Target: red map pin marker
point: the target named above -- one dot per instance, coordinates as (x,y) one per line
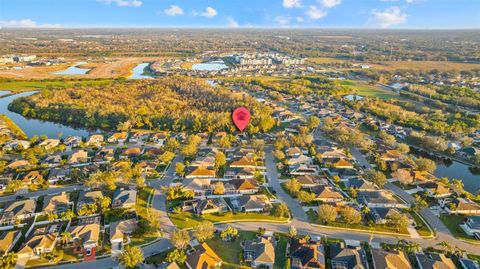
(241,117)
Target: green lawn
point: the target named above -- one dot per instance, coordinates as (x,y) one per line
(423,231)
(363,89)
(230,252)
(188,219)
(452,222)
(312,216)
(280,252)
(20,85)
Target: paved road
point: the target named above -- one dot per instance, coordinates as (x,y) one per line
(273,181)
(49,191)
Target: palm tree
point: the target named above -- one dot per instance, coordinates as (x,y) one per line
(446,247)
(8,260)
(66,237)
(68,215)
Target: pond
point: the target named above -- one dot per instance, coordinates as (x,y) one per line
(140,72)
(454,170)
(33,127)
(210,66)
(74,70)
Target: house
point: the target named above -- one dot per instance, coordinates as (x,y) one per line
(468,264)
(347,257)
(342,164)
(148,167)
(206,206)
(201,172)
(461,206)
(302,159)
(159,138)
(359,184)
(244,186)
(58,174)
(88,198)
(17,210)
(472,226)
(327,194)
(95,140)
(139,136)
(119,231)
(377,198)
(118,137)
(394,259)
(253,203)
(244,173)
(52,160)
(56,204)
(434,261)
(78,157)
(125,199)
(380,215)
(390,156)
(309,181)
(259,252)
(16,144)
(18,164)
(244,162)
(303,169)
(435,189)
(294,152)
(41,240)
(85,236)
(199,186)
(131,153)
(104,155)
(49,143)
(73,141)
(8,239)
(32,177)
(166,265)
(204,161)
(306,254)
(203,258)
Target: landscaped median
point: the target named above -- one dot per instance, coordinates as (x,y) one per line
(185,220)
(360,227)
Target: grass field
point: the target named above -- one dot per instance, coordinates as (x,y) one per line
(230,252)
(425,66)
(424,231)
(22,85)
(324,60)
(363,89)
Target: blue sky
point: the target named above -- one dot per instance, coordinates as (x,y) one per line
(423,14)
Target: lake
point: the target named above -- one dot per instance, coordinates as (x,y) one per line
(74,70)
(453,170)
(33,127)
(210,66)
(139,72)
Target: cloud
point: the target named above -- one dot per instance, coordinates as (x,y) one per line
(26,23)
(282,20)
(210,12)
(315,13)
(292,3)
(388,17)
(300,19)
(123,3)
(173,10)
(232,22)
(331,3)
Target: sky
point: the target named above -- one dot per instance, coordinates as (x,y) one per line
(394,14)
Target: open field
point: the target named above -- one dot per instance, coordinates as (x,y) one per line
(19,85)
(324,60)
(111,68)
(425,66)
(364,89)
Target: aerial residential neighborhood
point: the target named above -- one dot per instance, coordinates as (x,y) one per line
(280,134)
